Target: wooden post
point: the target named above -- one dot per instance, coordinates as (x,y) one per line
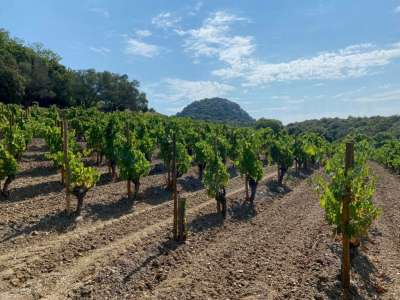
(182,220)
(128,141)
(61,124)
(349,162)
(66,164)
(174,191)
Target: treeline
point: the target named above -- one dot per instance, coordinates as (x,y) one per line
(30,74)
(379,128)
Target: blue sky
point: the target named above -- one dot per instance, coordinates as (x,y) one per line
(290,60)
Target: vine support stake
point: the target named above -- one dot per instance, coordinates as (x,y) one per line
(174,191)
(349,163)
(66,164)
(182,232)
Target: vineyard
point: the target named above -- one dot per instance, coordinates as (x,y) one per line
(124,205)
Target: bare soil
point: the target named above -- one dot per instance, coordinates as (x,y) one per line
(280,248)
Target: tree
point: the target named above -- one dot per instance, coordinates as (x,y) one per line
(32,73)
(275,125)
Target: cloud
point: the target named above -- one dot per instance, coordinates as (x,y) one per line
(143,33)
(165,20)
(100,50)
(353,61)
(176,92)
(100,11)
(393,95)
(214,39)
(139,48)
(397,10)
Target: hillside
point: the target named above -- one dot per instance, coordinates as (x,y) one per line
(217,110)
(335,128)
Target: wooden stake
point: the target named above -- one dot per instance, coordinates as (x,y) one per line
(182,220)
(128,140)
(66,164)
(174,191)
(349,163)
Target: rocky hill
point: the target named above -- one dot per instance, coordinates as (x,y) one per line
(216,110)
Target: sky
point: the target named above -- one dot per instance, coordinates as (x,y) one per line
(283,59)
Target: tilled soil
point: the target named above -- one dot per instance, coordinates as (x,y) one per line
(280,248)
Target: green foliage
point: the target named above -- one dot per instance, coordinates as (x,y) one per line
(308,147)
(8,164)
(15,141)
(388,155)
(358,182)
(82,178)
(282,151)
(202,151)
(183,159)
(215,176)
(275,125)
(95,135)
(216,110)
(113,139)
(132,163)
(249,163)
(34,74)
(333,129)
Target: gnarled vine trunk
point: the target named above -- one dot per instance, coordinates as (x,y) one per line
(137,186)
(113,167)
(80,194)
(201,170)
(8,181)
(221,202)
(253,189)
(129,189)
(281,173)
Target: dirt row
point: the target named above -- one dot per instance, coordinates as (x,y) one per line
(281,249)
(35,258)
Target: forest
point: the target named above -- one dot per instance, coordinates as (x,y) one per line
(33,74)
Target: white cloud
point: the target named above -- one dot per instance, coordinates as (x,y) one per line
(393,95)
(213,38)
(143,33)
(139,48)
(350,62)
(165,20)
(100,11)
(177,92)
(100,50)
(397,9)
